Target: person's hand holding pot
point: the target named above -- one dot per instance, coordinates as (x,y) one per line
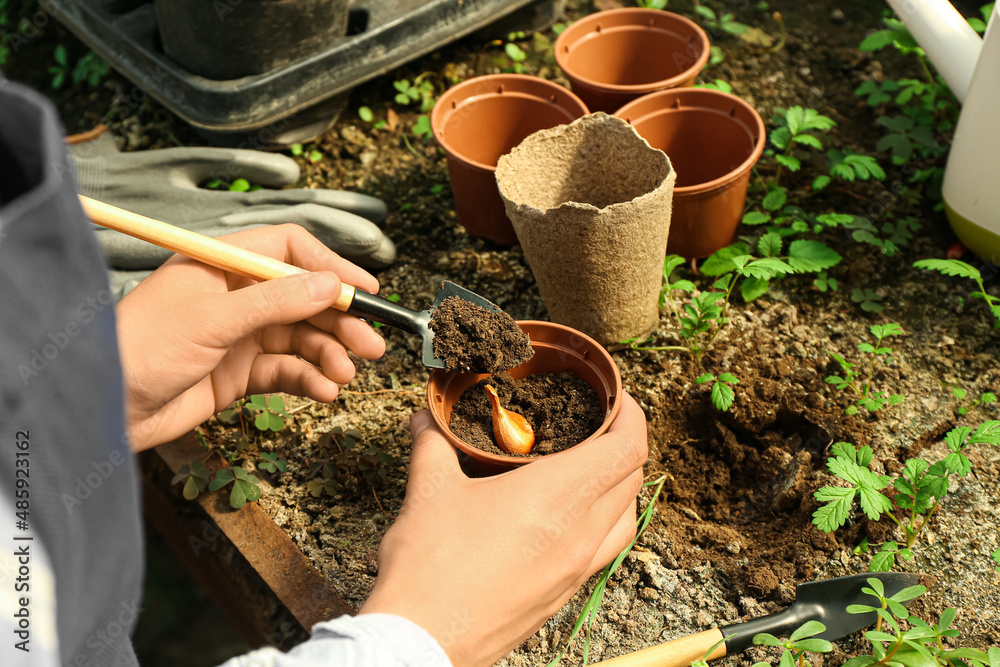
(482,563)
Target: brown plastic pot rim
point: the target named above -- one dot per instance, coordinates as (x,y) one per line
(438,112)
(726,179)
(516,461)
(611,88)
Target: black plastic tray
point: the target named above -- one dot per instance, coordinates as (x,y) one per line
(381,37)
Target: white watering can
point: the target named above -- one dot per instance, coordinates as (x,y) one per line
(971,68)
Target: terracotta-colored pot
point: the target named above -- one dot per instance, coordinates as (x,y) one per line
(476,122)
(557,348)
(613,57)
(713,140)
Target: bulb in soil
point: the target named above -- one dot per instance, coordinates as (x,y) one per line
(513,433)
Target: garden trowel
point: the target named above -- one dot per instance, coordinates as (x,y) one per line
(247,263)
(825,600)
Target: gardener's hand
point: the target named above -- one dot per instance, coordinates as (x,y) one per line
(165,184)
(482,563)
(194,339)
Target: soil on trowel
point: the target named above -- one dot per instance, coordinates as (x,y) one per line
(562,408)
(471,339)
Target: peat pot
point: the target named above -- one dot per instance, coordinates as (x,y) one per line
(713,140)
(229,40)
(591,205)
(613,57)
(557,348)
(480,119)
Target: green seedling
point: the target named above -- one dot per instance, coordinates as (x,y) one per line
(870,300)
(91,68)
(958,268)
(61,70)
(270,462)
(996,558)
(900,639)
(722,390)
(717,84)
(269,412)
(420,91)
(871,401)
(796,128)
(803,256)
(593,605)
(825,283)
(962,407)
(238,185)
(801,642)
(849,166)
(724,22)
(195,477)
(715,55)
(351,466)
(919,489)
(422,128)
(652,4)
(246,487)
(703,660)
(894,235)
(366,114)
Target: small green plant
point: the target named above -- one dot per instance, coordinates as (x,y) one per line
(900,639)
(919,489)
(796,127)
(802,640)
(350,467)
(196,478)
(422,128)
(420,91)
(996,558)
(269,412)
(849,166)
(962,407)
(870,300)
(652,4)
(825,283)
(888,238)
(238,185)
(246,487)
(366,114)
(270,462)
(60,71)
(90,68)
(802,256)
(593,605)
(722,390)
(871,401)
(717,84)
(725,22)
(515,52)
(958,268)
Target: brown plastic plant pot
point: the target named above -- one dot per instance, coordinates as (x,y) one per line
(557,348)
(476,122)
(615,56)
(713,140)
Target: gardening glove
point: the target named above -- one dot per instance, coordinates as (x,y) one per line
(164,184)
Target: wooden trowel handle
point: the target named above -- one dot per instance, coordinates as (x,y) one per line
(676,653)
(197,246)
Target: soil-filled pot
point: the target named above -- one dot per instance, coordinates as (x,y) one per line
(217,40)
(476,122)
(557,348)
(713,140)
(591,205)
(613,57)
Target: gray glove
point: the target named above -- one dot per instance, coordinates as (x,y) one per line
(164,184)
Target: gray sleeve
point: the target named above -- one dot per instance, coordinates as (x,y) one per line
(368,640)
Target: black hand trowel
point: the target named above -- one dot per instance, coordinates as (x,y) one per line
(260,267)
(825,601)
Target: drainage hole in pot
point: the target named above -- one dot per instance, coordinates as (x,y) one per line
(357,21)
(562,408)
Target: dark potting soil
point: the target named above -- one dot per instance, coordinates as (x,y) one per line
(475,340)
(562,408)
